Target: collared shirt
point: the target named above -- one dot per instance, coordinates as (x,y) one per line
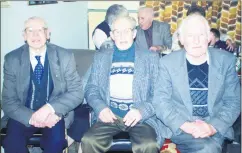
(193,63)
(33,60)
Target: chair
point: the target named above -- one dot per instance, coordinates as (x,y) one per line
(34,141)
(121,142)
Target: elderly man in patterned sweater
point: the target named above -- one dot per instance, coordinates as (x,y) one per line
(120,91)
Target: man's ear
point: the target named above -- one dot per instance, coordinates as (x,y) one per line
(181,39)
(111,35)
(48,33)
(134,33)
(24,35)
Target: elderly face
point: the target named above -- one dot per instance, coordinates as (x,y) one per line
(122,34)
(195,39)
(145,18)
(35,33)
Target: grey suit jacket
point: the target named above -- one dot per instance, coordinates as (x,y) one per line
(67,92)
(161,35)
(146,70)
(172,99)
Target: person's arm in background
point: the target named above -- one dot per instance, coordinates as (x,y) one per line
(167,39)
(99,37)
(229,41)
(175,42)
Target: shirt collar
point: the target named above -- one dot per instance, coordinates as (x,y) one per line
(190,61)
(33,53)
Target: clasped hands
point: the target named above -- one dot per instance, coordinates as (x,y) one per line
(198,129)
(158,48)
(44,117)
(130,119)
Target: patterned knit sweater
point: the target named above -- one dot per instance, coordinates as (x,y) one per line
(121,79)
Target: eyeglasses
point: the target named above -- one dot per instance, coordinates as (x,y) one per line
(31,31)
(117,32)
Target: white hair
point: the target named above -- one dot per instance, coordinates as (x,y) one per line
(185,24)
(130,19)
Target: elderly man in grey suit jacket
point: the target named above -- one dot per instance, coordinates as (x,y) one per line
(41,86)
(152,34)
(197,93)
(120,91)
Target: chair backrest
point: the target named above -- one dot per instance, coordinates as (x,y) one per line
(84,59)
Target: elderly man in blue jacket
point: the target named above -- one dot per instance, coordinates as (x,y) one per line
(120,91)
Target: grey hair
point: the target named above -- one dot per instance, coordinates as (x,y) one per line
(36,18)
(130,19)
(184,24)
(149,10)
(115,11)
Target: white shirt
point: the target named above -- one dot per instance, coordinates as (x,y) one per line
(33,60)
(99,37)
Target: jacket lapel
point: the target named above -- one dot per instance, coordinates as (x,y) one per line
(181,82)
(141,40)
(54,64)
(214,80)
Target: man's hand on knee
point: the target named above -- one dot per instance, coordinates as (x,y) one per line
(203,129)
(107,116)
(132,117)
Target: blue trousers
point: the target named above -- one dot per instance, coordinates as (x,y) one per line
(52,140)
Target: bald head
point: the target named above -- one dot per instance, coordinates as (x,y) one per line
(145,17)
(35,19)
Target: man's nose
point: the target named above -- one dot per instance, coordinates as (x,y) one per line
(122,35)
(196,39)
(35,33)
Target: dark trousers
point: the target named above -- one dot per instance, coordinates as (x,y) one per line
(186,143)
(80,124)
(52,140)
(99,137)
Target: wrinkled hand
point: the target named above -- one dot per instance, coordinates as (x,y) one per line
(38,118)
(158,48)
(51,120)
(203,129)
(188,127)
(230,45)
(132,117)
(107,116)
